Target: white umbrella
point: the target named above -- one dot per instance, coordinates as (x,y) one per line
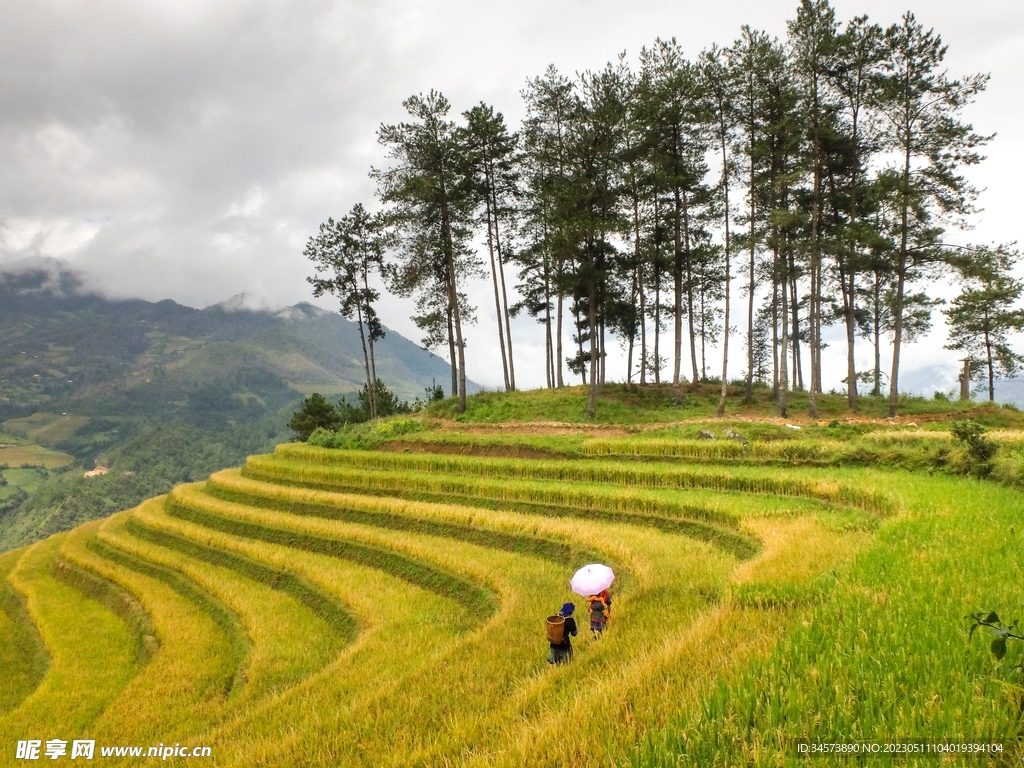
(591,579)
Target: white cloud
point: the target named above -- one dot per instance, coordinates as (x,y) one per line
(53,238)
(250,205)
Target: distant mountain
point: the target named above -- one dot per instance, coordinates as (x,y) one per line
(64,350)
(1007,391)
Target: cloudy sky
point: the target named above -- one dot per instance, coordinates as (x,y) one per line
(188,149)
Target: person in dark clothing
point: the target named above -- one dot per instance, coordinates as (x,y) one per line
(561,653)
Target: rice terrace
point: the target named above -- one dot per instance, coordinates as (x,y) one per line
(382,603)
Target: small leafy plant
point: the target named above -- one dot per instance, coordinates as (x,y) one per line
(1002,632)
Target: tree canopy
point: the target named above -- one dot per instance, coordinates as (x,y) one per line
(817,179)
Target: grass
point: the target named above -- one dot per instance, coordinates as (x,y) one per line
(385,607)
(652,404)
(385,513)
(33,456)
(327,610)
(22,653)
(609,503)
(27,480)
(878,659)
(671,554)
(475,598)
(271,619)
(452,440)
(404,627)
(388,613)
(445,468)
(545,493)
(189,673)
(46,428)
(92,653)
(449,708)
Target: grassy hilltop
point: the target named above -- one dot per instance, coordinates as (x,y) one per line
(381,601)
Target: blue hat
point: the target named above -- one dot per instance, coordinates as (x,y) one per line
(567,609)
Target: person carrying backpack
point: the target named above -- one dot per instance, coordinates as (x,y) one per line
(560,652)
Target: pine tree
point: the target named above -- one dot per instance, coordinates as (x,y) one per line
(921,107)
(348,252)
(677,143)
(982,317)
(547,257)
(812,38)
(719,89)
(430,194)
(857,61)
(491,152)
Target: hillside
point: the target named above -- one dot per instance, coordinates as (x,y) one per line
(383,603)
(61,350)
(85,381)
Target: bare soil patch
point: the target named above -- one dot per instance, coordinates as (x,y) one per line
(539,428)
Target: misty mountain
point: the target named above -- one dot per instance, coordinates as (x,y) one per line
(67,351)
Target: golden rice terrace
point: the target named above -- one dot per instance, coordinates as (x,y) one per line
(332,607)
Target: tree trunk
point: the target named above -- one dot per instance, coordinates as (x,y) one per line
(453,303)
(504,295)
(814,320)
(657,324)
(784,352)
(643,320)
(592,323)
(689,312)
(638,288)
(373,362)
(991,369)
(703,335)
(897,337)
(451,351)
(876,332)
(644,356)
(632,335)
(629,361)
(849,292)
(775,322)
(498,309)
(558,342)
(798,373)
(579,340)
(370,388)
(748,395)
(677,276)
(549,352)
(728,280)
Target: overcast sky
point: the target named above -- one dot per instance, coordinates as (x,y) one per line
(188,149)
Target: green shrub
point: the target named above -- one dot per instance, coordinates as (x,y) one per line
(980,450)
(366,436)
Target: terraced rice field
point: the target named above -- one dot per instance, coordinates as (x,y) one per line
(327,607)
(17,455)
